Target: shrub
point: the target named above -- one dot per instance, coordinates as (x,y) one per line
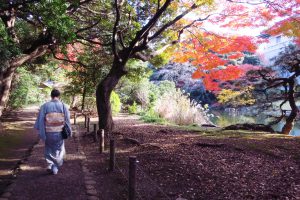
(133,108)
(25,90)
(115,103)
(151,116)
(90,103)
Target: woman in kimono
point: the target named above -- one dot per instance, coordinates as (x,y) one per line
(52,116)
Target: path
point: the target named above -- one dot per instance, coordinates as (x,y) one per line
(33,182)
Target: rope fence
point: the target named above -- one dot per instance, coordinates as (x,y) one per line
(140,174)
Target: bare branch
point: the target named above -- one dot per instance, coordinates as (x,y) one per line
(140,34)
(170,23)
(115,30)
(88,27)
(140,56)
(93,41)
(67,60)
(247,2)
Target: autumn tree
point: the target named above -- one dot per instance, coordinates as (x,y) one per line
(217,55)
(144,28)
(140,28)
(218,59)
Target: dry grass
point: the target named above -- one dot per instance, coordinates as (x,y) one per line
(177,108)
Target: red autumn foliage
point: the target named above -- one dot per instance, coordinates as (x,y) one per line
(213,55)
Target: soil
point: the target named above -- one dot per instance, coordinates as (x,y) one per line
(172,163)
(175,163)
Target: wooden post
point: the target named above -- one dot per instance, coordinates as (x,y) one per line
(75,118)
(112,155)
(85,121)
(101,141)
(132,178)
(95,133)
(88,124)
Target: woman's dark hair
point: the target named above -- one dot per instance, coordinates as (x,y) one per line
(55,93)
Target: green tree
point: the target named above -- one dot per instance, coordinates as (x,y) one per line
(28,29)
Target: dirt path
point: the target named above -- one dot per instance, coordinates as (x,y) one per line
(176,164)
(35,183)
(31,180)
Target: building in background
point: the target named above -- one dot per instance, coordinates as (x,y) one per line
(270,50)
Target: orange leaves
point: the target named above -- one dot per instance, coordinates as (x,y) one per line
(243,43)
(213,79)
(236,55)
(208,61)
(71,53)
(212,54)
(198,74)
(267,15)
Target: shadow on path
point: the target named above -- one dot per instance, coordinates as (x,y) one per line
(35,183)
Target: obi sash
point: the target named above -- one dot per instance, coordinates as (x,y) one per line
(54,122)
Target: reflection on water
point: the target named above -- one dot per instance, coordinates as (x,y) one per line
(232,116)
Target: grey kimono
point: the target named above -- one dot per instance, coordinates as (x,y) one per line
(51,118)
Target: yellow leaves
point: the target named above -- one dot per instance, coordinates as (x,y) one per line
(227,95)
(236,98)
(289,27)
(204,2)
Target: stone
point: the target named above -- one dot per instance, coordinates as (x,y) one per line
(88,173)
(6,195)
(89,187)
(9,189)
(93,198)
(90,182)
(91,192)
(87,178)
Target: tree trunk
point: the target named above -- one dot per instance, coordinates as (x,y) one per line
(289,124)
(6,76)
(73,101)
(103,92)
(8,69)
(83,96)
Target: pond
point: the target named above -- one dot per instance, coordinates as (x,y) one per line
(233,116)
